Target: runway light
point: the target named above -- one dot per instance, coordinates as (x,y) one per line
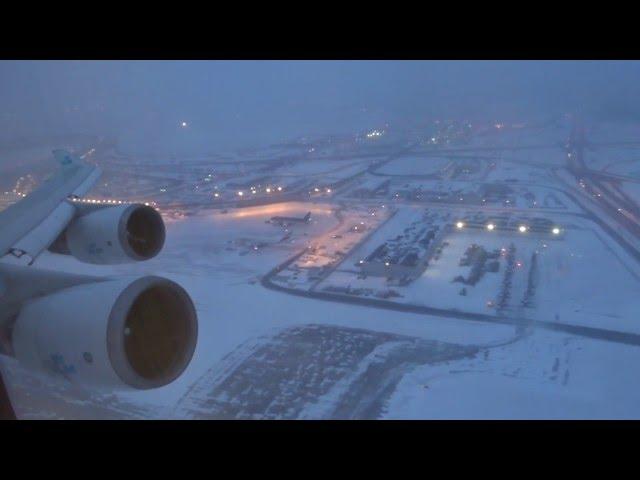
(279,189)
(268,190)
(240,193)
(386,264)
(555,231)
(328,190)
(361,262)
(316,189)
(490,226)
(183,124)
(216,194)
(460,225)
(522,228)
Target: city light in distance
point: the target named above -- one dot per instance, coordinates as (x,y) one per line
(460,225)
(555,231)
(183,124)
(240,193)
(522,228)
(490,226)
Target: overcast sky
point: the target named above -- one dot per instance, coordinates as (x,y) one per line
(234,103)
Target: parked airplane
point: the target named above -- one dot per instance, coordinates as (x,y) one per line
(285,221)
(135,333)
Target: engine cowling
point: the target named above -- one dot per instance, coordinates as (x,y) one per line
(138,333)
(114,235)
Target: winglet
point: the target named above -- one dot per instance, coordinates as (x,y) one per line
(64,157)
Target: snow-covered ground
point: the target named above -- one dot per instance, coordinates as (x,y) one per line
(522,379)
(343,168)
(232,310)
(543,376)
(415,165)
(325,357)
(585,279)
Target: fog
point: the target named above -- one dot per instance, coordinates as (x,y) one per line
(466,247)
(228,104)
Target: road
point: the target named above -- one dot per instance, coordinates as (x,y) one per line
(603,190)
(608,199)
(579,330)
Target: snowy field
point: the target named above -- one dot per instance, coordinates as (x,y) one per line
(219,283)
(415,165)
(319,167)
(518,172)
(570,285)
(268,354)
(586,280)
(542,376)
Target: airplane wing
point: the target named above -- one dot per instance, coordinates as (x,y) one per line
(29,226)
(135,332)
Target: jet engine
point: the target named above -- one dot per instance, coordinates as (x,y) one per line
(129,333)
(111,235)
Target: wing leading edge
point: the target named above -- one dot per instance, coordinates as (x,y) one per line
(32,224)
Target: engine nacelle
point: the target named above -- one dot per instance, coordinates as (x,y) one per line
(114,235)
(138,333)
